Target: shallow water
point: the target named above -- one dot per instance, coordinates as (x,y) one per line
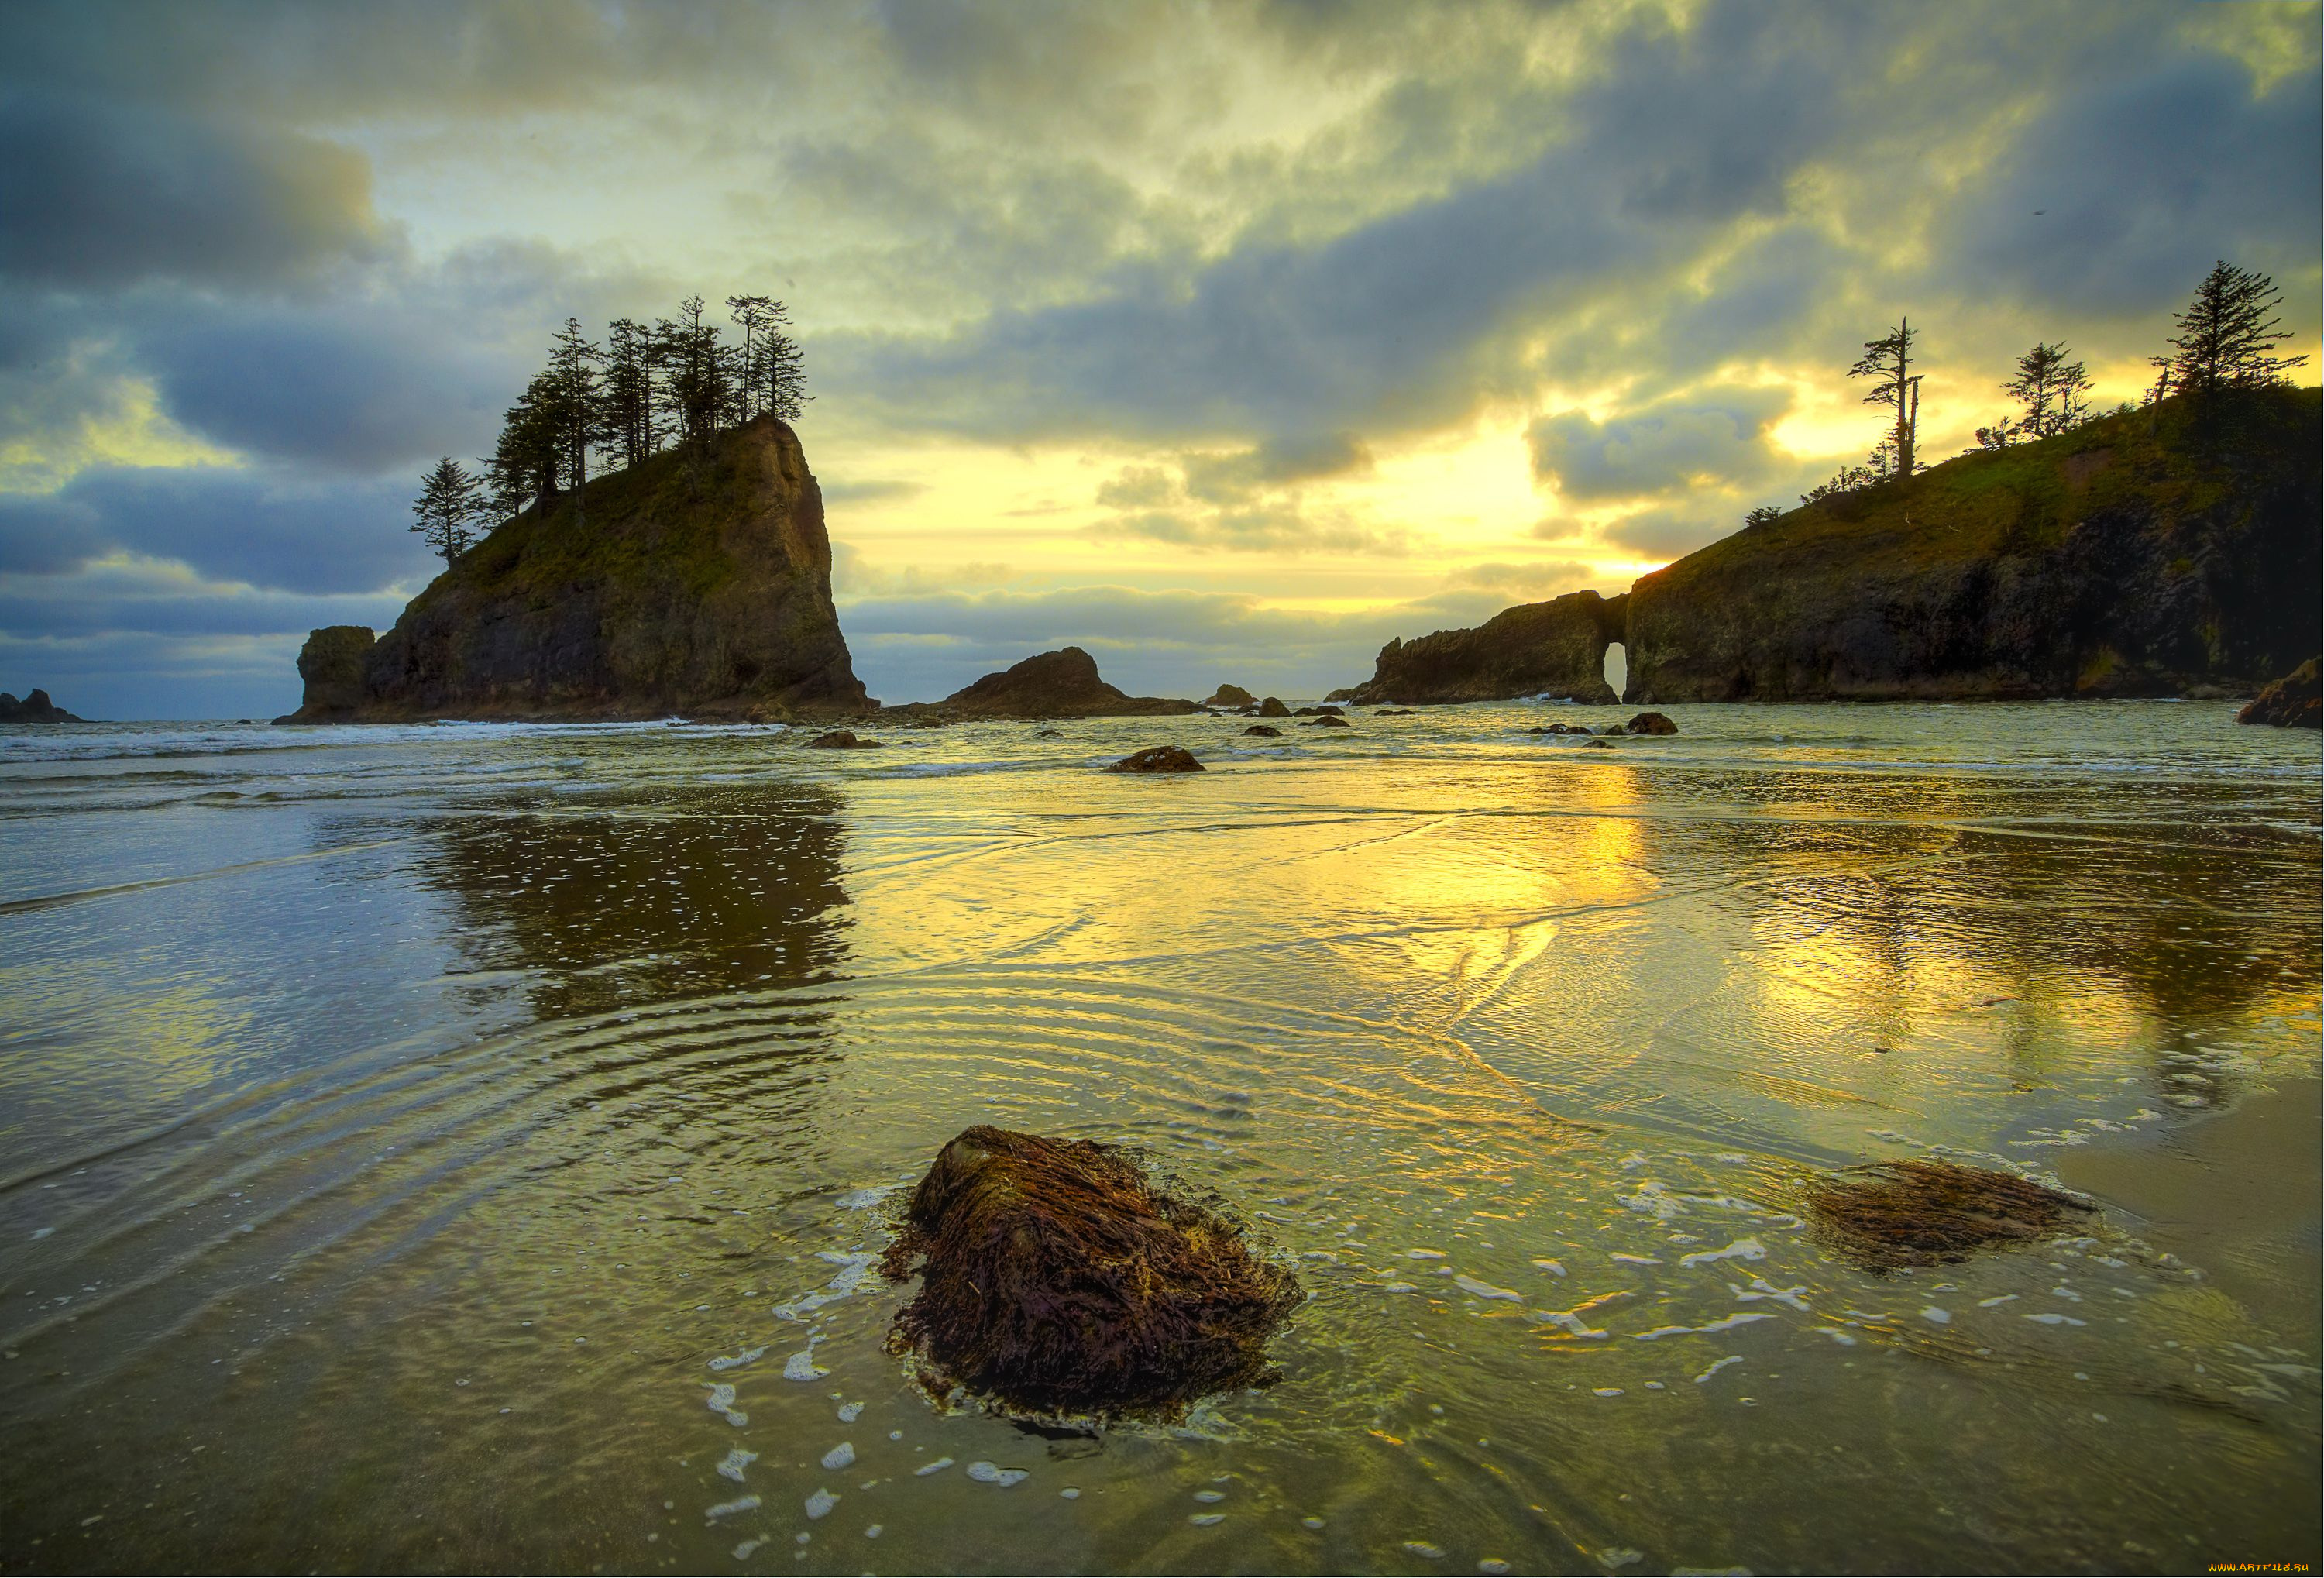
(407,1134)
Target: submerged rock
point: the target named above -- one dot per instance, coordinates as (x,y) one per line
(2296,701)
(1601,745)
(1329,721)
(1650,723)
(1158,759)
(1231,696)
(1272,708)
(841,740)
(1048,735)
(1326,711)
(1056,1278)
(1392,711)
(1265,731)
(1927,1212)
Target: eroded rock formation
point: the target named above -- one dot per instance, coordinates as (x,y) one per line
(1556,647)
(682,584)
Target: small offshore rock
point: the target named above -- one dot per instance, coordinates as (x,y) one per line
(841,740)
(1265,731)
(1158,759)
(1330,721)
(2296,701)
(1326,711)
(1601,745)
(1650,723)
(1272,708)
(1231,696)
(1392,711)
(1048,735)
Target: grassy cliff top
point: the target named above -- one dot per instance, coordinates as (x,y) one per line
(668,520)
(2165,459)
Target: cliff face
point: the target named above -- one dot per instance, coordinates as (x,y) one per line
(2154,553)
(1558,647)
(1063,684)
(703,588)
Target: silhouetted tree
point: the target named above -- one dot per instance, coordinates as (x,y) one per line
(629,391)
(2051,390)
(524,462)
(1763,515)
(2228,336)
(1888,359)
(451,502)
(578,406)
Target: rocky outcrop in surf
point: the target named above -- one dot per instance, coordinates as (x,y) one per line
(35,709)
(1556,647)
(690,584)
(1063,684)
(2296,701)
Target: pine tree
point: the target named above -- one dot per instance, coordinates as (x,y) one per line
(629,417)
(577,406)
(524,462)
(2227,335)
(2051,390)
(1888,359)
(451,502)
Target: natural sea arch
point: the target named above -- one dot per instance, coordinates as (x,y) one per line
(1618,668)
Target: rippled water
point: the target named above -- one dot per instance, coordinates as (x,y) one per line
(405,1135)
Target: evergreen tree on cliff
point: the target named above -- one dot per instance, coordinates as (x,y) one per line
(524,462)
(629,414)
(2052,391)
(451,502)
(1888,359)
(2228,336)
(577,405)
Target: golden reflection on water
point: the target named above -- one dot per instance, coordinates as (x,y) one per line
(497,1135)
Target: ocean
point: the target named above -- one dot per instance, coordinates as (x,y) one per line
(464,1148)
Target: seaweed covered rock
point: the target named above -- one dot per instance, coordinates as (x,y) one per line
(1057,1278)
(2296,701)
(1158,759)
(1927,1212)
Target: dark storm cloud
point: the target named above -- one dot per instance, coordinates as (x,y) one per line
(2143,184)
(1719,434)
(353,390)
(99,196)
(1685,132)
(285,533)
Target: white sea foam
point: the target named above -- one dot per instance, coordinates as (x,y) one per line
(1742,1249)
(821,1503)
(735,1461)
(839,1456)
(993,1474)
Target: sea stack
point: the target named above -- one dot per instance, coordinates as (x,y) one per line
(690,584)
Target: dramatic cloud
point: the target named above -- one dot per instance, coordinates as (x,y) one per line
(1720,435)
(1241,310)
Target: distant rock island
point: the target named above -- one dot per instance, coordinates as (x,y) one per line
(683,584)
(35,709)
(2153,552)
(1063,684)
(1556,647)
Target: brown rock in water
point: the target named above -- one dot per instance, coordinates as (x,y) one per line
(1650,723)
(1158,759)
(1392,711)
(1272,708)
(1048,735)
(1601,745)
(1326,711)
(1927,1212)
(1231,696)
(1057,1278)
(841,740)
(1328,721)
(1265,731)
(2296,701)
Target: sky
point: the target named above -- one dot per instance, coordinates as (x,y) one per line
(1225,340)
